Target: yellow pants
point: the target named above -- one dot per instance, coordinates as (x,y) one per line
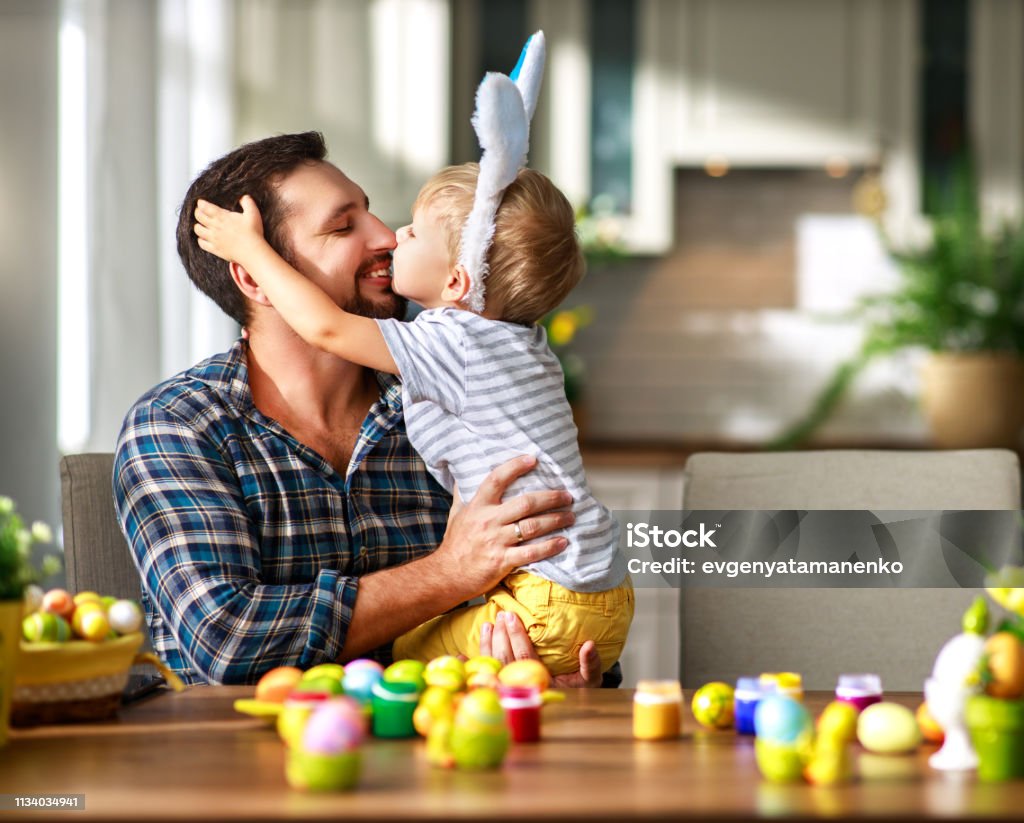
(558,620)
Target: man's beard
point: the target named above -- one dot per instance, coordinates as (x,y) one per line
(391,307)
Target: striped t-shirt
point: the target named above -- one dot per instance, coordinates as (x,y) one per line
(478,392)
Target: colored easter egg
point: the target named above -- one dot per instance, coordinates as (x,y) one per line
(327,685)
(59,602)
(830,763)
(712,705)
(108,600)
(125,616)
(888,728)
(930,729)
(781,719)
(446,671)
(291,722)
(360,675)
(308,771)
(335,670)
(406,671)
(44,627)
(480,736)
(781,762)
(525,673)
(87,597)
(957,661)
(838,722)
(32,599)
(435,702)
(90,622)
(275,685)
(482,663)
(334,727)
(1005,658)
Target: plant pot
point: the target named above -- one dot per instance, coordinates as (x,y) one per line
(997,731)
(10,641)
(974,399)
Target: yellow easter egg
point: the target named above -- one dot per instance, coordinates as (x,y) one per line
(888,728)
(90,622)
(87,597)
(712,705)
(525,673)
(838,722)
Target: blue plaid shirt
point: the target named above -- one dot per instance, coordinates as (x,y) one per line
(250,545)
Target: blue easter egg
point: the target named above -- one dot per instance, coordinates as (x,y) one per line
(781,719)
(360,675)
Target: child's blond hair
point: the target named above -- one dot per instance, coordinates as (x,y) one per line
(535,258)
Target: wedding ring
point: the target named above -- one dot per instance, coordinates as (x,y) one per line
(519,532)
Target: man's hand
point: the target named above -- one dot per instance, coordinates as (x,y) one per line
(231,235)
(507,640)
(485,539)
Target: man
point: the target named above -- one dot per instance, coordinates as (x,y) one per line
(273,505)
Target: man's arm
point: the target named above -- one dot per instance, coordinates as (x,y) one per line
(238,238)
(193,539)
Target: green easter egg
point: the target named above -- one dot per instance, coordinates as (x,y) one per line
(44,627)
(322,772)
(406,671)
(335,670)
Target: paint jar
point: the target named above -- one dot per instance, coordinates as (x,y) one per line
(522,705)
(748,693)
(657,710)
(393,706)
(789,684)
(859,690)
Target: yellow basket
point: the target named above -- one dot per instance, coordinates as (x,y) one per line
(78,680)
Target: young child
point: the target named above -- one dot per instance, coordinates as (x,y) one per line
(479,387)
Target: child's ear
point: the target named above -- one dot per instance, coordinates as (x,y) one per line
(246,285)
(456,287)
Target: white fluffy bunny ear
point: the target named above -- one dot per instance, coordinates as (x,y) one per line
(502,122)
(529,71)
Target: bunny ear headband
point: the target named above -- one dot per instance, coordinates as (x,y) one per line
(504,108)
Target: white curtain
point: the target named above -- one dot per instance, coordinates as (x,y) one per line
(156,79)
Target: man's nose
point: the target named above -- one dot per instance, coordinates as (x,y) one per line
(381,237)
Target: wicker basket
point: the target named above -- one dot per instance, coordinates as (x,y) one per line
(76,681)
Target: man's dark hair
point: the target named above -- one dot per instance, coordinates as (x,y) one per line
(254,169)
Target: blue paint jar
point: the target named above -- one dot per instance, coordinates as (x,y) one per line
(748,693)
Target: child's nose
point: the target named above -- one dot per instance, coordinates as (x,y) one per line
(402,233)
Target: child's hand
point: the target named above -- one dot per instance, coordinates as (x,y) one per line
(230,235)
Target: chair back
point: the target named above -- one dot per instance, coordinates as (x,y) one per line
(821,633)
(96,555)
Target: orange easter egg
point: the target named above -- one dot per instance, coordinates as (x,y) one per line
(276,684)
(930,729)
(58,602)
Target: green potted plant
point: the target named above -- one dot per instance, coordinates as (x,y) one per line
(17,571)
(961,297)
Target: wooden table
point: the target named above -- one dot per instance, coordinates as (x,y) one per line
(190,756)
